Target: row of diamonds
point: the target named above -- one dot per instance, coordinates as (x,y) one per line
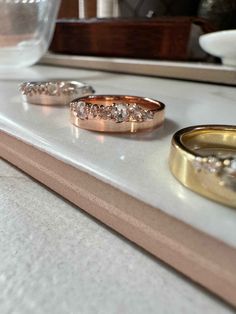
(117,112)
(215,164)
(50,88)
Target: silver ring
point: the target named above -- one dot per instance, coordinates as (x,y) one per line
(54,92)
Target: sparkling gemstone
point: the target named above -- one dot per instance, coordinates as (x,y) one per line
(227,162)
(73,105)
(107,110)
(150,114)
(197,163)
(23,89)
(101,111)
(93,111)
(119,112)
(139,116)
(82,111)
(136,113)
(212,164)
(29,89)
(233,165)
(35,89)
(41,88)
(228,175)
(52,88)
(225,169)
(144,115)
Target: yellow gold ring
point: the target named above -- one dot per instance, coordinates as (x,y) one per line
(203,158)
(116,113)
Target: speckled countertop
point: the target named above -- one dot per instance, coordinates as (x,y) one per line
(56,259)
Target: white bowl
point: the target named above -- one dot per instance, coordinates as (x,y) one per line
(221,44)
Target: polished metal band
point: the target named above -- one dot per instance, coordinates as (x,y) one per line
(116,113)
(54,92)
(203,158)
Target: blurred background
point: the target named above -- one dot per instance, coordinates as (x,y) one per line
(221,13)
(147,29)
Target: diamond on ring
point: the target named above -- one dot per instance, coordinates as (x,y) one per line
(119,112)
(54,92)
(224,168)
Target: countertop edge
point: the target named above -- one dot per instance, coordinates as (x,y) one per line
(195,254)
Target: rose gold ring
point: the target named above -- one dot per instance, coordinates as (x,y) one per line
(58,93)
(116,113)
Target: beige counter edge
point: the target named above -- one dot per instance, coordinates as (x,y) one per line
(193,71)
(205,260)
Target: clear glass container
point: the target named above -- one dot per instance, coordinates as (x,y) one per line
(26,28)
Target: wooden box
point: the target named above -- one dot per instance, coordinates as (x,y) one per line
(161,38)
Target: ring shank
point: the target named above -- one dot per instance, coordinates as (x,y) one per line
(47,100)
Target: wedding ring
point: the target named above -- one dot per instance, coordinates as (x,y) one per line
(203,158)
(116,113)
(53,92)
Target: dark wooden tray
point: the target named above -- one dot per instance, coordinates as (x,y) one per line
(161,38)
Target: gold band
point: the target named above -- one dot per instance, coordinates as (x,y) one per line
(203,158)
(58,93)
(116,113)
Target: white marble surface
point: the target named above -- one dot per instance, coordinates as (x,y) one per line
(137,164)
(56,259)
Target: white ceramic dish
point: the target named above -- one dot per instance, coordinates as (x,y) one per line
(221,44)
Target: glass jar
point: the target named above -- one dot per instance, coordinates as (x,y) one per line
(26,28)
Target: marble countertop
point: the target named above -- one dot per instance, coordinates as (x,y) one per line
(56,259)
(136,164)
